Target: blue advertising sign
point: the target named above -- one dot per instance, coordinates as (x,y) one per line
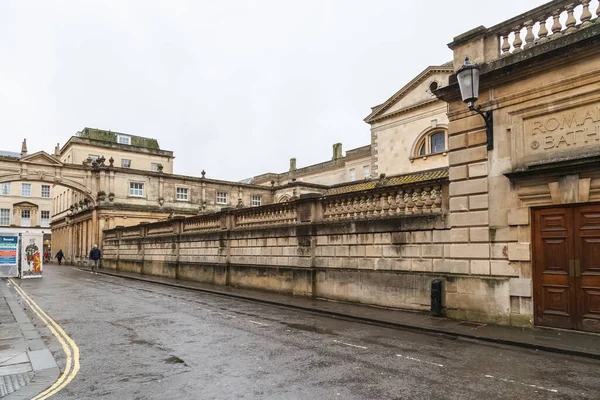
(8,250)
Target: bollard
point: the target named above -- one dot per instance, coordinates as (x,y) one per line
(436,297)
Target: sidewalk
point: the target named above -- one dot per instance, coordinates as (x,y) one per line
(26,365)
(557,341)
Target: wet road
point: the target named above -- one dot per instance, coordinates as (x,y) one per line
(145,341)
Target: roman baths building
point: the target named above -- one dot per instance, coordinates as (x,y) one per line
(482,174)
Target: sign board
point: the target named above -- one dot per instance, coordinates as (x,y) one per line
(9,250)
(32,246)
(575,128)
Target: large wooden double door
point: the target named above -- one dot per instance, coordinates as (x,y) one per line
(566,264)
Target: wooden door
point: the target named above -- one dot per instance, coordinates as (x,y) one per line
(587,267)
(566,258)
(554,297)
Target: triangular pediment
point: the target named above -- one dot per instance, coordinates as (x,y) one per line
(41,158)
(415,93)
(25,204)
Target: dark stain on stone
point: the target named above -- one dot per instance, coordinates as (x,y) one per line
(312,328)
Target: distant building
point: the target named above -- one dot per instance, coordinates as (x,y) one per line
(25,206)
(409,133)
(355,165)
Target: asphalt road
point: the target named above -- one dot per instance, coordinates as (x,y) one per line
(145,341)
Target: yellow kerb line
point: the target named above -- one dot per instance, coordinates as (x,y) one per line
(65,341)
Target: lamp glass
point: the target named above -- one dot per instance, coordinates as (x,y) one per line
(468,81)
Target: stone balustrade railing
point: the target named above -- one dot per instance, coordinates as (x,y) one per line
(385,200)
(384,204)
(274,214)
(130,232)
(202,223)
(160,228)
(542,24)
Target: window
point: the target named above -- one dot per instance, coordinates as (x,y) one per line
(431,143)
(5,217)
(136,189)
(26,189)
(182,193)
(438,142)
(45,218)
(5,189)
(221,197)
(352,174)
(25,218)
(154,167)
(46,191)
(256,201)
(122,139)
(125,163)
(366,172)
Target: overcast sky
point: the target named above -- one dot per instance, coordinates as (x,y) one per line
(232,87)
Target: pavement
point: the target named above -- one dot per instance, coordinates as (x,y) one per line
(141,340)
(27,366)
(545,339)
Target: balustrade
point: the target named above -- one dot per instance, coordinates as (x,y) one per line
(159,229)
(545,23)
(277,214)
(203,223)
(392,203)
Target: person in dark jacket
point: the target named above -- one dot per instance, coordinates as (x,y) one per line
(95,255)
(59,256)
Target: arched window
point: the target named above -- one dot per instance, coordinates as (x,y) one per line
(433,142)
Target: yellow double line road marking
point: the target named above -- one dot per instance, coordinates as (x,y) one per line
(70,348)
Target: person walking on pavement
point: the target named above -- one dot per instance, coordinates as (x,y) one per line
(59,256)
(95,255)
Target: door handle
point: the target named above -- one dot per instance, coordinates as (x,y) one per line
(577,268)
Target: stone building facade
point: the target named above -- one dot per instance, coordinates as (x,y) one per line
(409,131)
(353,166)
(525,204)
(25,206)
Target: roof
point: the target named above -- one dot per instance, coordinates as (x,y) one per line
(351,155)
(416,177)
(376,112)
(9,154)
(110,136)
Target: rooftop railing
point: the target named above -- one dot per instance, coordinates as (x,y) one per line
(542,24)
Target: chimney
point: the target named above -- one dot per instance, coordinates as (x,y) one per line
(337,151)
(24,148)
(292,164)
(57,150)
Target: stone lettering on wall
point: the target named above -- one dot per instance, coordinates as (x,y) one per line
(566,130)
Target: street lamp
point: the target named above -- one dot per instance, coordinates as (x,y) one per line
(468,81)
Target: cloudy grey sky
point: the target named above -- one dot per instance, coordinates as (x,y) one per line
(234,87)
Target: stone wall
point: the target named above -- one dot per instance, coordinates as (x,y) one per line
(381,251)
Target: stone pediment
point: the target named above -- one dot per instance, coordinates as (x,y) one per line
(41,158)
(25,204)
(414,94)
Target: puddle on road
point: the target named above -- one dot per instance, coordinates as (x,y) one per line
(174,360)
(312,328)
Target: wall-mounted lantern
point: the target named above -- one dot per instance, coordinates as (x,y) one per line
(468,81)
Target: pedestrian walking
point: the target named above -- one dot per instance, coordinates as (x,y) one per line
(95,255)
(59,256)
(46,256)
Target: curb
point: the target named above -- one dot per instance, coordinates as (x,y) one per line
(371,321)
(45,370)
